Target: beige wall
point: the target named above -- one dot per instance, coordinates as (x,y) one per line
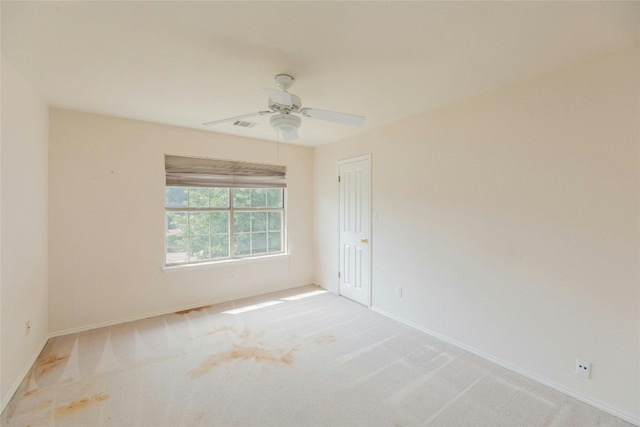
(511,221)
(23,266)
(107,221)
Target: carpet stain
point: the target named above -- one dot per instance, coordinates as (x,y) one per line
(189,310)
(325,339)
(30,392)
(48,363)
(271,357)
(221,329)
(80,404)
(244,335)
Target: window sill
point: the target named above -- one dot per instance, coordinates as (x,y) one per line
(222,263)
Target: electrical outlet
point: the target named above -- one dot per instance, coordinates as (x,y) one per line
(27,327)
(399,292)
(583,368)
(234,275)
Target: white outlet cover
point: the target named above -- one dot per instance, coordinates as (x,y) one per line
(583,368)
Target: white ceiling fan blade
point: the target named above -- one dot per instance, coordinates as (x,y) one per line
(332,116)
(289,134)
(233,119)
(279,96)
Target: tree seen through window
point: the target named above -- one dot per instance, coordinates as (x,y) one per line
(204,224)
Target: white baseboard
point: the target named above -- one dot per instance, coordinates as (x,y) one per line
(14,387)
(326,289)
(544,381)
(172,310)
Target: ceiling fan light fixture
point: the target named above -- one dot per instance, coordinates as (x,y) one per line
(285,122)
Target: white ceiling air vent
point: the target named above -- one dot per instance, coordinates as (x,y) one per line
(244,124)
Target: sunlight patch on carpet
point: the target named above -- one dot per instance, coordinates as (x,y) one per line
(305,295)
(252,307)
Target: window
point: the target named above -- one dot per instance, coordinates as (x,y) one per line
(225,210)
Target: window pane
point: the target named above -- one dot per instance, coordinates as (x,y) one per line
(176,197)
(219,198)
(258,243)
(258,198)
(176,223)
(198,197)
(220,246)
(241,197)
(275,242)
(241,222)
(198,248)
(275,221)
(258,221)
(242,244)
(203,232)
(177,249)
(274,197)
(199,223)
(219,222)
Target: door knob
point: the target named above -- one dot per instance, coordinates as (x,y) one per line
(364,240)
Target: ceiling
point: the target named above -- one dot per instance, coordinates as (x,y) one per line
(185,63)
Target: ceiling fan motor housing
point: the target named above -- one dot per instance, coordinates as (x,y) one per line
(284,122)
(283,105)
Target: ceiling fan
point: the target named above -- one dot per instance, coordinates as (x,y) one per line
(284,108)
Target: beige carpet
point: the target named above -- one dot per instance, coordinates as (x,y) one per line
(304,357)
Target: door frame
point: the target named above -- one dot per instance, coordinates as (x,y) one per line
(340,163)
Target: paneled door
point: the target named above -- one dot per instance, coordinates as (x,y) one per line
(355,229)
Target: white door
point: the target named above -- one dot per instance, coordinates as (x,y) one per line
(355,229)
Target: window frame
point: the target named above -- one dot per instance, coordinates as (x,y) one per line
(231,209)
